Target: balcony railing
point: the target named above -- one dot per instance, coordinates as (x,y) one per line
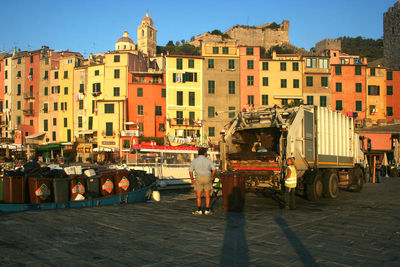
(184,122)
(29,96)
(147,82)
(28,112)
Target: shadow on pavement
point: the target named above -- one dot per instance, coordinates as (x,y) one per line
(296,243)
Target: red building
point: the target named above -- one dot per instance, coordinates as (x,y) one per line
(146,106)
(393,95)
(249,76)
(348,84)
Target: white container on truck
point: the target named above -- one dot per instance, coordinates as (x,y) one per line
(328,153)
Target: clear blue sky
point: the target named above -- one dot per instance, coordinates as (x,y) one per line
(92,26)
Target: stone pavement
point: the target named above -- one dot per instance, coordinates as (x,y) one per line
(355,229)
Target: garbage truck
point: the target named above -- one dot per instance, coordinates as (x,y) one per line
(328,154)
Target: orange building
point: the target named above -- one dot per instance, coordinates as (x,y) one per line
(249,76)
(393,95)
(146,107)
(348,84)
(376,92)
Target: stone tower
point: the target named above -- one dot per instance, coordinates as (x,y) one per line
(391,37)
(147,37)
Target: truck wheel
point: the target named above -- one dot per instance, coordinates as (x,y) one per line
(330,181)
(314,188)
(358,179)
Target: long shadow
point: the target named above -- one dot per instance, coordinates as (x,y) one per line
(296,243)
(235,250)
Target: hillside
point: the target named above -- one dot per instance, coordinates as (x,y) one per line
(370,48)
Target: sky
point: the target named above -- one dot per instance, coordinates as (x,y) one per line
(93,26)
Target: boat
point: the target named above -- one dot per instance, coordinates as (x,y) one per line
(139,195)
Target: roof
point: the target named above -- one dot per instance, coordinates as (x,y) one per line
(36,135)
(125,39)
(394,129)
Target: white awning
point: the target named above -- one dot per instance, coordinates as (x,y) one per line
(103,149)
(87,132)
(36,135)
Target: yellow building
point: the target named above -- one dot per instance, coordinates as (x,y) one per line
(281,79)
(376,92)
(184,99)
(66,97)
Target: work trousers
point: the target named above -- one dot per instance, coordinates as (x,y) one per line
(290,198)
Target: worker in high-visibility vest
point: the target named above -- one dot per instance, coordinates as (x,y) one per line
(290,184)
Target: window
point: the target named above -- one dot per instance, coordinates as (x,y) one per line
(179,64)
(358,87)
(31,122)
(250,80)
(264,100)
(249,51)
(139,92)
(323,63)
(62,106)
(231,64)
(372,110)
(295,66)
(80,104)
(283,83)
(190,77)
(5,89)
(126,144)
(6,74)
(158,111)
(161,127)
(389,75)
(90,123)
(338,70)
(65,90)
(19,74)
(109,108)
(116,58)
(322,101)
(211,87)
(215,50)
(389,111)
(250,64)
(179,117)
(192,116)
(265,81)
(45,107)
(231,87)
(116,74)
(31,71)
(163,92)
(109,129)
(210,63)
(310,100)
(116,91)
(284,102)
(231,114)
(324,81)
(211,131)
(191,63)
(81,88)
(18,89)
(96,73)
(250,100)
(283,66)
(140,110)
(56,75)
(80,122)
(45,125)
(18,105)
(358,70)
(55,106)
(192,99)
(96,87)
(373,89)
(225,50)
(211,112)
(339,105)
(18,120)
(54,121)
(358,105)
(265,66)
(311,63)
(179,98)
(65,74)
(338,87)
(372,72)
(309,81)
(389,90)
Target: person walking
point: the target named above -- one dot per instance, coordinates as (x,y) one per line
(204,171)
(290,185)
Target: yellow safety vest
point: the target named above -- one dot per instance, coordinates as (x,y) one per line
(291,181)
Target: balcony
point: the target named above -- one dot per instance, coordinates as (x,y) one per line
(184,122)
(28,112)
(29,96)
(160,81)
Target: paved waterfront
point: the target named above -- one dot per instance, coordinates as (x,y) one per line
(355,229)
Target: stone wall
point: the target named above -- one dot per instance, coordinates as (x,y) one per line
(327,44)
(391,37)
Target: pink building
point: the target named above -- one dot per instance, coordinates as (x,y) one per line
(249,76)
